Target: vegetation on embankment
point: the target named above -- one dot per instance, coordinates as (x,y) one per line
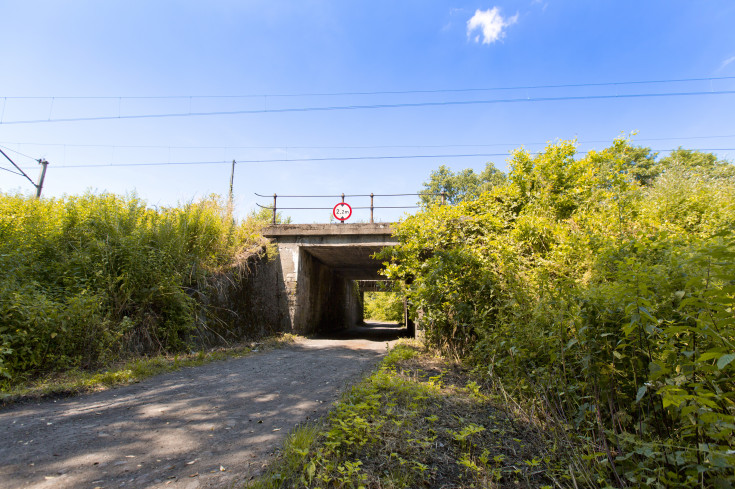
(418,421)
(601,288)
(86,281)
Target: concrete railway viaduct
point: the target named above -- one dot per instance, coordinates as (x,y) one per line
(321,269)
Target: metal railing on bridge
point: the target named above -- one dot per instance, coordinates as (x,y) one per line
(342,211)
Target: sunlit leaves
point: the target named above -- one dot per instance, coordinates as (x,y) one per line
(86,279)
(606,284)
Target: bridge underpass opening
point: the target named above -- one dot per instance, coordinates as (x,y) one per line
(382,301)
(321,266)
(341,304)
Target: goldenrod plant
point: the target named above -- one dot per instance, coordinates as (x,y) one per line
(92,279)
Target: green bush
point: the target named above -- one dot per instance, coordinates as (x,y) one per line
(383,306)
(88,279)
(606,296)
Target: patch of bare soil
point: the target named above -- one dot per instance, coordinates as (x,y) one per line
(204,427)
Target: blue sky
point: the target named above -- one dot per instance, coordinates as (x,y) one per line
(281,53)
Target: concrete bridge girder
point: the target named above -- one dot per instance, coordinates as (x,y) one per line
(319,264)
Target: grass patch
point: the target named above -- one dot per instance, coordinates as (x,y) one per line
(418,421)
(78,381)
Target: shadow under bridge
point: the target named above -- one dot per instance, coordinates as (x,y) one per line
(325,268)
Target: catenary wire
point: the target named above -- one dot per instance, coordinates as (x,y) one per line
(335,158)
(330,108)
(3,144)
(377,92)
(20,170)
(11,171)
(18,152)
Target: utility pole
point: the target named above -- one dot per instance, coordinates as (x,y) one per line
(41,178)
(230,197)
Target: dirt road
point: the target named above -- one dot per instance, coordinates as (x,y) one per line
(211,426)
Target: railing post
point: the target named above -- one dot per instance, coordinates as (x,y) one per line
(274,208)
(371,208)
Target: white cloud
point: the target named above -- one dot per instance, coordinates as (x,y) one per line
(491,24)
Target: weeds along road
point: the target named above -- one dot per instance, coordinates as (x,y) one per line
(203,427)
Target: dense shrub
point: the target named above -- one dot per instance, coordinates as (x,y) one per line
(383,306)
(604,289)
(88,279)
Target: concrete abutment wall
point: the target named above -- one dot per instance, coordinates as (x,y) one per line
(247,301)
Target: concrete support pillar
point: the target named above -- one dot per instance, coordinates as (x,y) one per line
(289,255)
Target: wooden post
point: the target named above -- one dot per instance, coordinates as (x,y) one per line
(274,208)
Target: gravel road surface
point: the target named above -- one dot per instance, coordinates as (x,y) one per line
(212,426)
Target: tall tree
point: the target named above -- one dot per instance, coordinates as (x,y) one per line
(460,186)
(699,162)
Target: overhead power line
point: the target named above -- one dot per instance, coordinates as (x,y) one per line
(445,103)
(18,152)
(5,145)
(11,171)
(333,158)
(373,92)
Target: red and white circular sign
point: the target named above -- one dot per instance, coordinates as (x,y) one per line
(342,211)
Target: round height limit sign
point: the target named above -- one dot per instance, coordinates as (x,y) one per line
(342,211)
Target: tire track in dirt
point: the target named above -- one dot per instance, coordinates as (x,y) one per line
(203,427)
